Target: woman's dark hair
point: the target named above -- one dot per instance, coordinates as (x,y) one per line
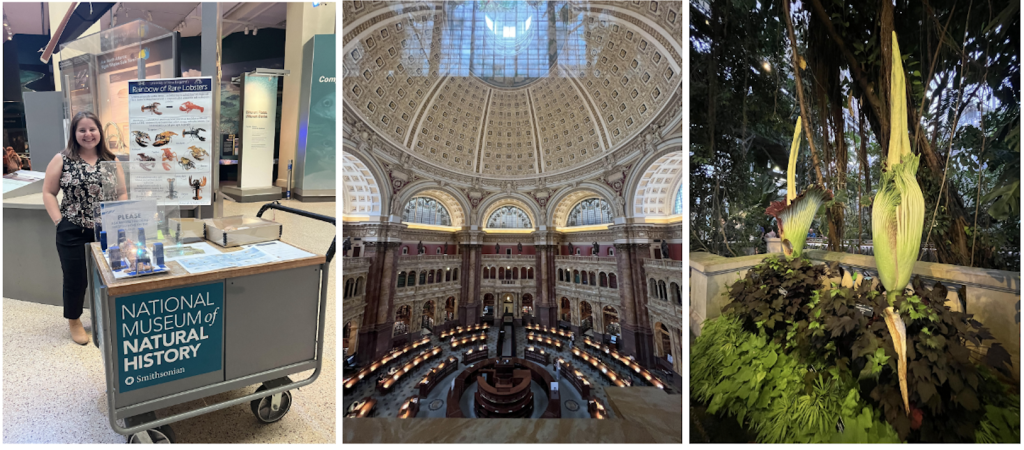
(73,148)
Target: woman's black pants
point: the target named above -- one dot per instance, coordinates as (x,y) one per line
(71,240)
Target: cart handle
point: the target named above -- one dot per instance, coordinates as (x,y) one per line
(315,216)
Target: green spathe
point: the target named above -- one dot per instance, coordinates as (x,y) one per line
(797,213)
(898,210)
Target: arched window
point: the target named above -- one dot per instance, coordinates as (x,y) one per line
(509,217)
(522,273)
(430,277)
(348,288)
(592,211)
(576,276)
(437,251)
(676,294)
(487,273)
(652,288)
(679,201)
(411,281)
(530,273)
(455,274)
(493,276)
(560,277)
(509,272)
(401,279)
(593,279)
(663,293)
(585,278)
(611,251)
(501,273)
(427,211)
(515,273)
(603,279)
(358,289)
(448,275)
(438,275)
(405,250)
(423,278)
(611,281)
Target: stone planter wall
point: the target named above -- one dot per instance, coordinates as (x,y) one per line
(993,296)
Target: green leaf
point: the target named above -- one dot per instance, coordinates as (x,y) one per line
(769,362)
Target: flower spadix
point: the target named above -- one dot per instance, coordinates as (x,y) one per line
(797,212)
(898,210)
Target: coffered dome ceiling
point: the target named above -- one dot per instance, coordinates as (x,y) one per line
(506,88)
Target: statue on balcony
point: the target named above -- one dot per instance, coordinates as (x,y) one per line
(664,249)
(595,250)
(446,247)
(520,248)
(497,248)
(346,245)
(572,251)
(420,249)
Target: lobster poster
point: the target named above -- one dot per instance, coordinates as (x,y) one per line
(170,123)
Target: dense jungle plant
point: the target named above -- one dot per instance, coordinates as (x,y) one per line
(774,294)
(945,390)
(747,375)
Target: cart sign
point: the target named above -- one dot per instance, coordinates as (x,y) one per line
(169,335)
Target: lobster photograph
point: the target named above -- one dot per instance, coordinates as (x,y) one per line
(198,153)
(197,185)
(193,133)
(141,136)
(186,163)
(187,107)
(164,138)
(153,108)
(168,156)
(146,163)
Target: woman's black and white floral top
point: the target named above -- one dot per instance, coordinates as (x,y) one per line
(82,184)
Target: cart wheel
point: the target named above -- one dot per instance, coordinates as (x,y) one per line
(263,407)
(159,435)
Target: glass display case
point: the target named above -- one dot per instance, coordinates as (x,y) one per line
(136,235)
(95,70)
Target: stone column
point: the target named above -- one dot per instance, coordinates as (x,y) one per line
(378,319)
(469,307)
(637,338)
(545,303)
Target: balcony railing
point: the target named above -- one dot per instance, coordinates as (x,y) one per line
(664,264)
(496,282)
(604,259)
(430,258)
(527,258)
(355,263)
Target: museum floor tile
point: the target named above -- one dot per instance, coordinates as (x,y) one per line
(54,390)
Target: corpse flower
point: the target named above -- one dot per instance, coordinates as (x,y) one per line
(898,215)
(898,210)
(797,212)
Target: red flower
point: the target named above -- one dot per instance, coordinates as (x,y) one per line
(916,417)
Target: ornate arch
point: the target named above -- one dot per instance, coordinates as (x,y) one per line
(363,185)
(518,200)
(651,187)
(453,200)
(561,204)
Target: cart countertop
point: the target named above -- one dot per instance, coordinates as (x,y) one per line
(178,276)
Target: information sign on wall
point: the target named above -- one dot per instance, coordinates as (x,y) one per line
(169,335)
(170,122)
(259,113)
(315,170)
